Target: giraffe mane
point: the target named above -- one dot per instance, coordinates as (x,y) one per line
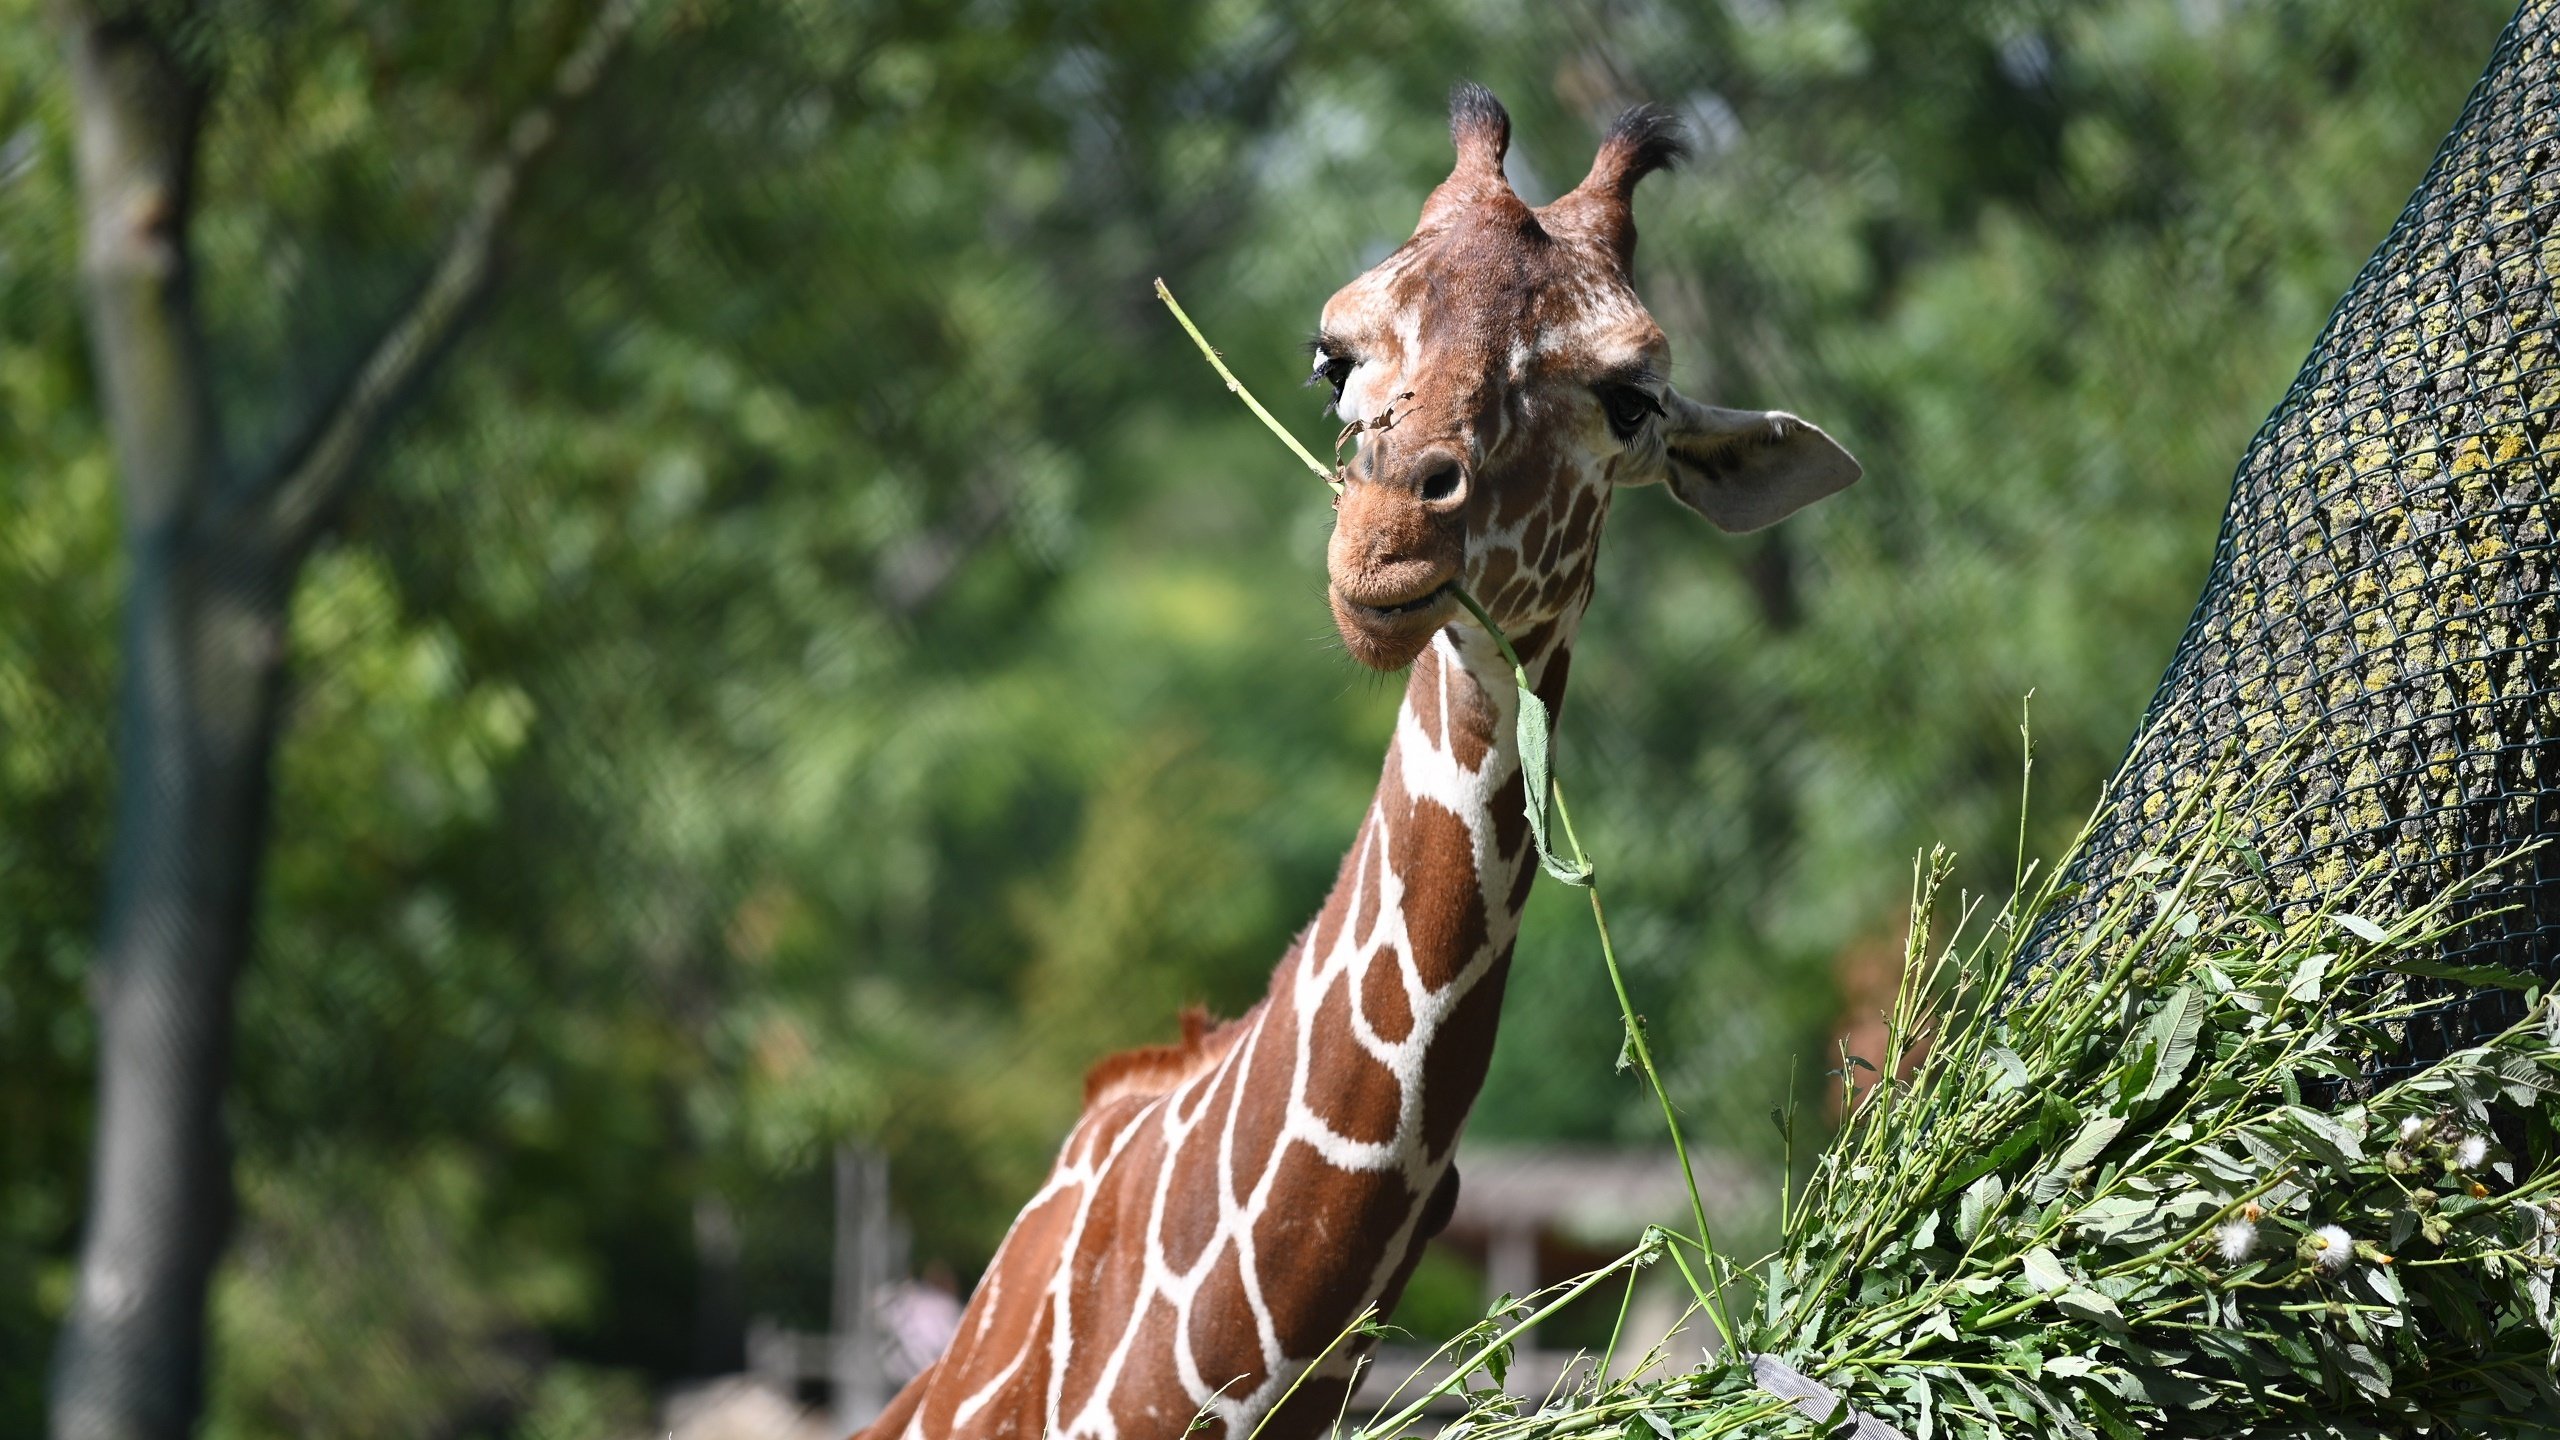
(1152,1070)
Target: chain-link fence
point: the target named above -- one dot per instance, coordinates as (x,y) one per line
(2381,623)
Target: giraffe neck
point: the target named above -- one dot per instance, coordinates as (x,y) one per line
(1198,1246)
(1430,895)
(1380,1023)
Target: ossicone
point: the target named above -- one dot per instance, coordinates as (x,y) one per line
(1481,129)
(1478,126)
(1645,138)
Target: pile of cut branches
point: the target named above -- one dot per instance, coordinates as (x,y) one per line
(2148,1193)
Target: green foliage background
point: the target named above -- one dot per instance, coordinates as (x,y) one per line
(825,661)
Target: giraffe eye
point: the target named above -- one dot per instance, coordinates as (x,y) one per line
(1627,407)
(1333,370)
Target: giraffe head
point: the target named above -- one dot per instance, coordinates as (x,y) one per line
(1504,379)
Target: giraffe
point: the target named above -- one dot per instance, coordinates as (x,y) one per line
(1227,1204)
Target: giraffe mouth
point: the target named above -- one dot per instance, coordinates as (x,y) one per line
(1387,635)
(1414,606)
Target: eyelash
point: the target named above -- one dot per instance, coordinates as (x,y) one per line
(1333,370)
(1627,408)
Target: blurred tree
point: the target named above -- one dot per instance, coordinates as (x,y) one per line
(214,541)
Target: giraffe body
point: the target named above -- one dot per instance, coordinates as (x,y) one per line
(1226,1206)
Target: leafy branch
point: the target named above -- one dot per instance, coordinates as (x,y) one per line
(318,468)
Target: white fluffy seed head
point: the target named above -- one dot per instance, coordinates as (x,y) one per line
(2234,1239)
(2411,1127)
(2470,1152)
(2337,1248)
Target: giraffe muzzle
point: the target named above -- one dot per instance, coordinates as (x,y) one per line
(1414,606)
(1386,624)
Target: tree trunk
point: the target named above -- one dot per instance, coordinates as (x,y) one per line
(204,639)
(203,649)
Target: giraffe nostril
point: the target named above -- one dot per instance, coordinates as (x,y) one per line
(1444,482)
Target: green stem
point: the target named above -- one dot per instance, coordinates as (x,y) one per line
(1475,1361)
(1502,642)
(1708,1297)
(1237,386)
(1609,1356)
(2191,1235)
(2012,1311)
(2159,1313)
(1716,1309)
(1358,1323)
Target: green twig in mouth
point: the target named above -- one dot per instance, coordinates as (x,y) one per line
(1206,350)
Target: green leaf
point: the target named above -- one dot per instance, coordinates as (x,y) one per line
(2013,1070)
(1535,732)
(2043,1270)
(1774,1292)
(2102,1403)
(2461,1313)
(2018,1142)
(1883,1279)
(2118,1219)
(2221,1164)
(2386,1288)
(2334,1141)
(2173,1030)
(1981,1199)
(2478,977)
(2404,1223)
(2152,1385)
(2525,1081)
(1924,1411)
(2297,1352)
(2085,1148)
(2361,928)
(2056,1117)
(2511,1393)
(2366,1369)
(2305,984)
(2142,1063)
(2091,1306)
(2143,1220)
(2036,1400)
(1982,1405)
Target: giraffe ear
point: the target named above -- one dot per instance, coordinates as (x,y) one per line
(1745,469)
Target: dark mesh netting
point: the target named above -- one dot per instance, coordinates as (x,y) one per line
(2381,621)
